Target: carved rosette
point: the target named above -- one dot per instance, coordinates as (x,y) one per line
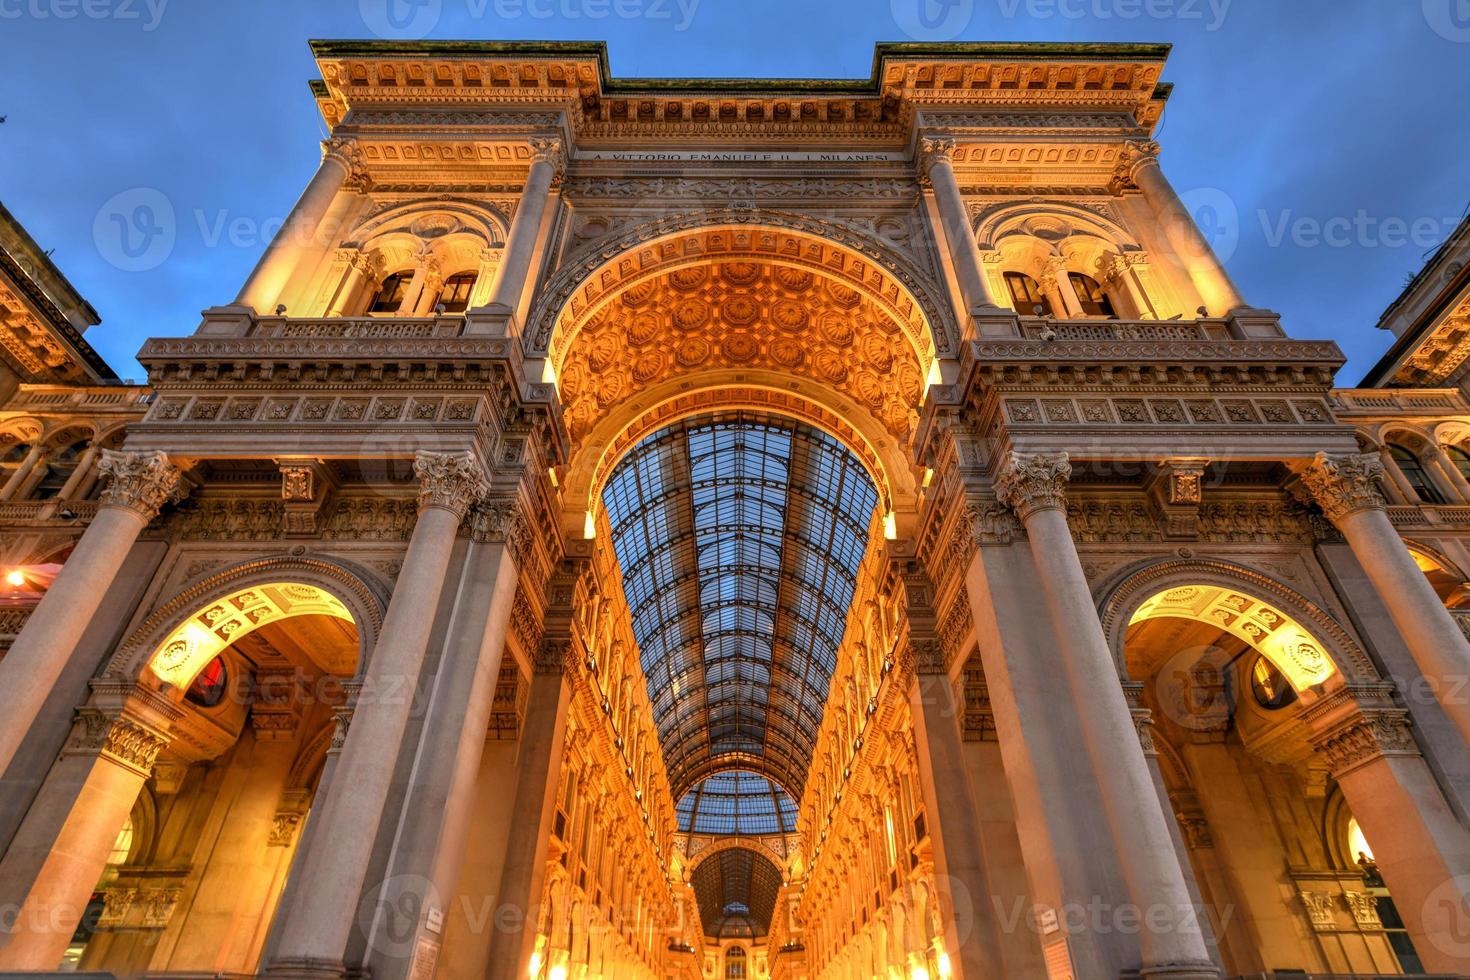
(1344,485)
(117,737)
(140,482)
(1030,483)
(552,151)
(451,481)
(932,152)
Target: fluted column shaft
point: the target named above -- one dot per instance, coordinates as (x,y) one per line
(1216,288)
(1171,943)
(547,164)
(937,166)
(317,924)
(298,235)
(22,472)
(141,484)
(1347,489)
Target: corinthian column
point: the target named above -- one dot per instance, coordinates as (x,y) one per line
(1421,850)
(548,163)
(1140,166)
(316,923)
(1347,490)
(1171,944)
(140,484)
(936,166)
(62,846)
(300,235)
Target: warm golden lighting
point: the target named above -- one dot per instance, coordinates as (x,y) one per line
(536,963)
(890,526)
(558,973)
(589,527)
(201,637)
(945,969)
(16,578)
(1357,843)
(918,973)
(1287,644)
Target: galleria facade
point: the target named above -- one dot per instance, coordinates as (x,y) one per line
(686,529)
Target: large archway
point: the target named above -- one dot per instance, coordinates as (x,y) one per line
(199,754)
(740,400)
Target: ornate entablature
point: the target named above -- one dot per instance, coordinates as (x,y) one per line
(42,317)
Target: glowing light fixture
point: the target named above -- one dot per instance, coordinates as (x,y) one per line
(558,972)
(945,969)
(589,528)
(16,578)
(935,378)
(890,526)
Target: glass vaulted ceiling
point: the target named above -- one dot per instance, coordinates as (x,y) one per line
(739,538)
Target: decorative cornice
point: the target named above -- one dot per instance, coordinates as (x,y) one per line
(1029,483)
(115,735)
(1344,485)
(451,481)
(140,482)
(1357,725)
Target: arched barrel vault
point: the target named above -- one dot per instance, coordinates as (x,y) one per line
(1123,596)
(766,310)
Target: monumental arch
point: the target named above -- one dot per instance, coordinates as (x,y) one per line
(631,528)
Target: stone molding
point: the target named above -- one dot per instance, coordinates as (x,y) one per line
(1030,483)
(450,481)
(1359,724)
(140,482)
(934,150)
(121,731)
(1136,155)
(1344,485)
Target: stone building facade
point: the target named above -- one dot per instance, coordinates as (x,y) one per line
(653,529)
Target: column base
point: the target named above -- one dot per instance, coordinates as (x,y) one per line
(1180,971)
(306,969)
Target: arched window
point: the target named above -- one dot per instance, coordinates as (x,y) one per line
(1415,474)
(391,292)
(1461,459)
(735,963)
(1026,295)
(455,297)
(12,458)
(1272,690)
(1091,295)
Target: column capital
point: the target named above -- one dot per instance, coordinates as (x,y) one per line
(140,482)
(553,151)
(118,735)
(1136,155)
(1029,483)
(451,481)
(1359,724)
(934,150)
(497,520)
(344,151)
(1345,485)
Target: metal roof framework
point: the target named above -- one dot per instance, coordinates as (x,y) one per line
(735,887)
(739,536)
(736,803)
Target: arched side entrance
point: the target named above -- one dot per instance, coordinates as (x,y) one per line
(221,703)
(1265,710)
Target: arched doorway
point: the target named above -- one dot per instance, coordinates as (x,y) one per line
(192,770)
(1239,673)
(740,401)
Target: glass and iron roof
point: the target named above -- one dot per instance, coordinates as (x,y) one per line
(736,803)
(736,892)
(739,538)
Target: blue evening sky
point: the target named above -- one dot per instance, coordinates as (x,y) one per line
(1325,140)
